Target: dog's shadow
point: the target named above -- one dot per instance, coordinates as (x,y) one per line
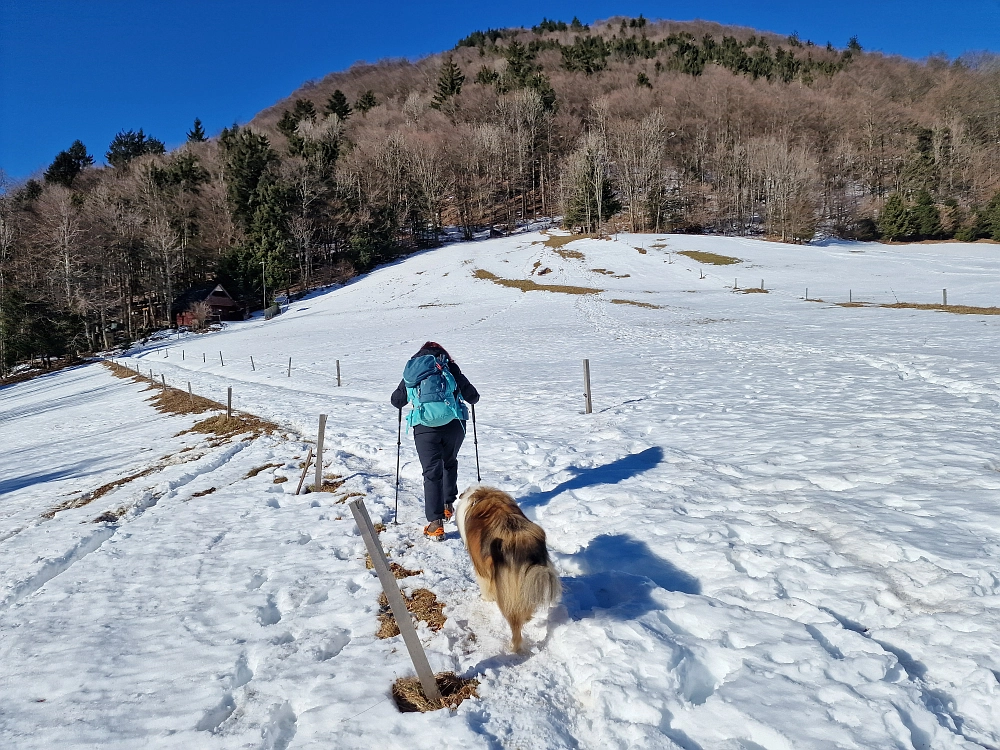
(617,577)
(612,473)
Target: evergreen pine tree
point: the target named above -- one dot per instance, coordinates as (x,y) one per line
(895,222)
(449,84)
(925,218)
(337,105)
(642,81)
(68,164)
(366,102)
(127,145)
(197,133)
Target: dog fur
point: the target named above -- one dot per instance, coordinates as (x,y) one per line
(509,555)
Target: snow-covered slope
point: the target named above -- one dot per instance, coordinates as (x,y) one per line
(779,528)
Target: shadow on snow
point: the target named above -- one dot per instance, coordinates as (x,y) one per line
(612,473)
(619,574)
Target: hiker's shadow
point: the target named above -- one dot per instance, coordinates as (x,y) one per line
(612,473)
(617,577)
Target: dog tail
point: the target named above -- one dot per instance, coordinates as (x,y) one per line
(521,590)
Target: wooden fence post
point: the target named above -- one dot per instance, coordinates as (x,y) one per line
(305,470)
(289,367)
(182,355)
(229,403)
(164,379)
(251,364)
(220,360)
(762,285)
(319,453)
(338,373)
(586,386)
(190,395)
(944,297)
(736,284)
(807,294)
(204,357)
(850,295)
(396,603)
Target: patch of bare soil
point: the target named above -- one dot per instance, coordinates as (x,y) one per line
(422,604)
(526,285)
(409,695)
(635,304)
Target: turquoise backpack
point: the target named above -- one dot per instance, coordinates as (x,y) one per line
(430,388)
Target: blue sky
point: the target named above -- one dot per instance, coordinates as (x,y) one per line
(88,68)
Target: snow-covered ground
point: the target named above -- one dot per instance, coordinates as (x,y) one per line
(780,527)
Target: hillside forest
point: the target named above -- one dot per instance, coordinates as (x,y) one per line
(625,124)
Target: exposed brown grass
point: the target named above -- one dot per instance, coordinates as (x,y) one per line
(612,274)
(526,285)
(238,424)
(398,571)
(635,304)
(642,250)
(279,480)
(254,472)
(422,604)
(111,516)
(88,497)
(331,483)
(557,241)
(751,290)
(167,400)
(956,309)
(852,304)
(209,491)
(409,695)
(347,496)
(709,258)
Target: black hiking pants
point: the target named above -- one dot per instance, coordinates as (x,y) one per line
(437,448)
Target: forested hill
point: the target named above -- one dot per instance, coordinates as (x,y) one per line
(685,127)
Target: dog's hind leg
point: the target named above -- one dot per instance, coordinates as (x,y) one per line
(515,623)
(486,589)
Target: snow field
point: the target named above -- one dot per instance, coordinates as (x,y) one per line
(778,529)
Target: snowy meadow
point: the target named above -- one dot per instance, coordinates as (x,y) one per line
(779,528)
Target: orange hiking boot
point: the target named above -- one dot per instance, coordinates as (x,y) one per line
(449,511)
(434,530)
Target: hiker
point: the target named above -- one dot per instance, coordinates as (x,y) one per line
(438,420)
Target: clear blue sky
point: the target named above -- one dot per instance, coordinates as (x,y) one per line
(88,68)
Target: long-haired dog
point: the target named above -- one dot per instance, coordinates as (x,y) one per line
(509,555)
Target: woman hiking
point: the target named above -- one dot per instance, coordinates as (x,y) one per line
(438,391)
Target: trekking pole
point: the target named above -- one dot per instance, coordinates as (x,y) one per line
(475,441)
(399,443)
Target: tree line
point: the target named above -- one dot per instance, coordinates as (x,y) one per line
(645,126)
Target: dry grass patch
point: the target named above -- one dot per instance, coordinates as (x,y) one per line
(347,496)
(422,604)
(280,480)
(853,304)
(635,304)
(331,483)
(254,472)
(710,258)
(409,695)
(642,250)
(751,290)
(112,516)
(956,309)
(238,424)
(167,400)
(526,285)
(209,491)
